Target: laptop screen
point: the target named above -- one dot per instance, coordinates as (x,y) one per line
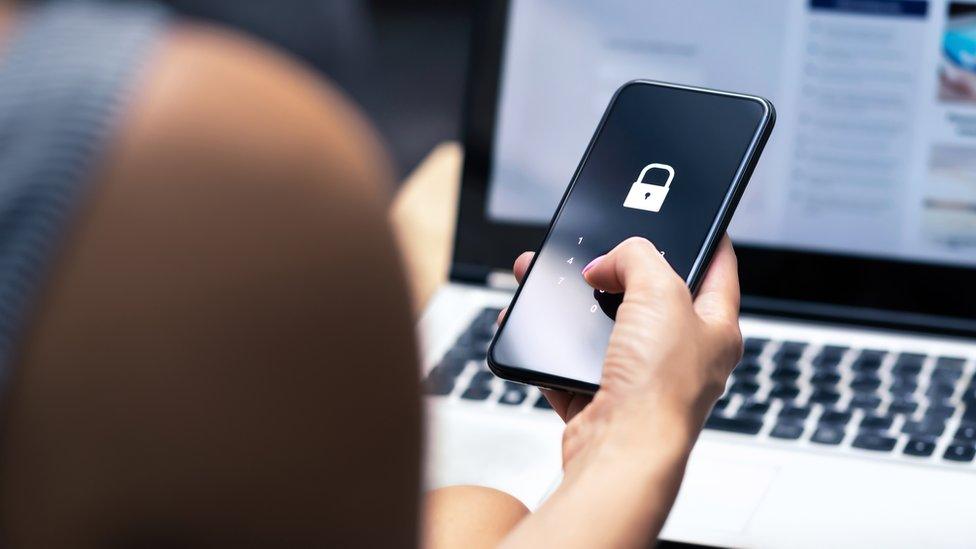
(874,154)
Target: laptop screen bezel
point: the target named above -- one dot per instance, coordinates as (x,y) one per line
(775,281)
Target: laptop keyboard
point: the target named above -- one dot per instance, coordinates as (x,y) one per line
(824,396)
(868,399)
(463,371)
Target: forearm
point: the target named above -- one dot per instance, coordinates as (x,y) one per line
(621,498)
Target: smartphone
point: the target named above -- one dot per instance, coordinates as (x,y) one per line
(668,163)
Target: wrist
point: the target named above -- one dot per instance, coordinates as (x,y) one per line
(663,432)
(636,467)
(640,441)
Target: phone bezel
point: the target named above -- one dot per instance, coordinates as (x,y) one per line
(713,237)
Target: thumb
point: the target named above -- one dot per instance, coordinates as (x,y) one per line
(634,266)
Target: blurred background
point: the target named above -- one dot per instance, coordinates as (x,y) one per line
(404,62)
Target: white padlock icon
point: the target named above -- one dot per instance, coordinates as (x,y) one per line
(648,197)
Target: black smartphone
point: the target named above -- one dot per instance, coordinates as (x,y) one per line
(668,163)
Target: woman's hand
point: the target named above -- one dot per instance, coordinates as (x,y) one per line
(667,362)
(652,325)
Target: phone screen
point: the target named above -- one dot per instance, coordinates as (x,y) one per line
(662,165)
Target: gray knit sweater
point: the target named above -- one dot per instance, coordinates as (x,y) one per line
(65,74)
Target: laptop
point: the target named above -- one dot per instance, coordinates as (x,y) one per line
(851,419)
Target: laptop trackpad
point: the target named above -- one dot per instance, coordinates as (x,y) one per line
(718,495)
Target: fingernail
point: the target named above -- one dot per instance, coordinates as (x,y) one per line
(592,264)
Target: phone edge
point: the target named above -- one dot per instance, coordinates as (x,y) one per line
(736,190)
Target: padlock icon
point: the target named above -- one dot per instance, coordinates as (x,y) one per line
(648,197)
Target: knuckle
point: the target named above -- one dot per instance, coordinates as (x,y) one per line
(571,432)
(676,285)
(730,340)
(733,337)
(672,288)
(715,387)
(667,288)
(637,245)
(737,349)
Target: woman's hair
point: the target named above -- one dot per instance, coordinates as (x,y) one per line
(224,352)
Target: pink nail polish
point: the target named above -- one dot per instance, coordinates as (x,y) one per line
(592,264)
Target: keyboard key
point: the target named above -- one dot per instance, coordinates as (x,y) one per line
(794,412)
(542,404)
(754,408)
(825,379)
(490,314)
(786,362)
(874,442)
(940,391)
(825,396)
(470,351)
(945,377)
(482,379)
(865,383)
(459,354)
(910,360)
(479,388)
(926,427)
(905,377)
(790,351)
(953,362)
(969,395)
(876,423)
(830,356)
(440,381)
(943,411)
(745,425)
(966,433)
(828,434)
(960,452)
(908,365)
(835,417)
(486,320)
(903,406)
(747,368)
(903,387)
(865,401)
(785,373)
(834,350)
(744,387)
(453,363)
(476,393)
(920,447)
(476,334)
(722,403)
(513,395)
(784,391)
(789,430)
(753,346)
(487,317)
(823,366)
(969,415)
(869,360)
(948,369)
